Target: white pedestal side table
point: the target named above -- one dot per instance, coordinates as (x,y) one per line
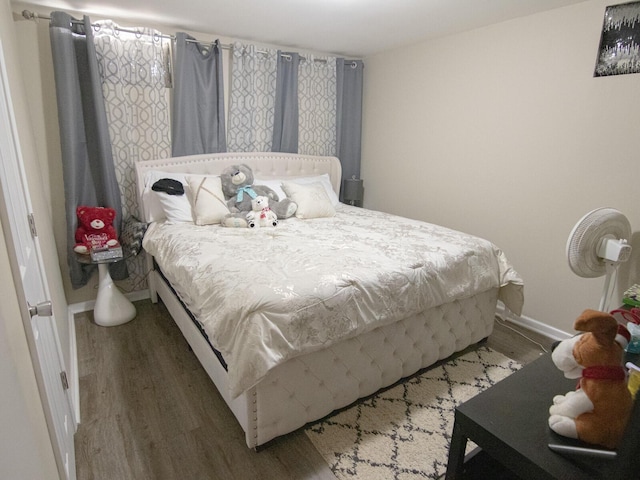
(112,307)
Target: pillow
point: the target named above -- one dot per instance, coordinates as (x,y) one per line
(159,205)
(312,199)
(324,180)
(132,234)
(275,185)
(209,206)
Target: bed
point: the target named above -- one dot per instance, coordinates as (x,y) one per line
(295,321)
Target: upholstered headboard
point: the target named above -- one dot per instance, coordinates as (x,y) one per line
(265,165)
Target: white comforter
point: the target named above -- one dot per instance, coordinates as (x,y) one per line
(266,295)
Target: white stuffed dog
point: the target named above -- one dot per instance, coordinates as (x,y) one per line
(598,410)
(261,215)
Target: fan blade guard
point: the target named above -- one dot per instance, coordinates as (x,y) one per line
(587,236)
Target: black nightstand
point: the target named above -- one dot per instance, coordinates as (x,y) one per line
(509,423)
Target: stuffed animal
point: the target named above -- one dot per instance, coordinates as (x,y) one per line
(260,214)
(598,410)
(239,190)
(95,229)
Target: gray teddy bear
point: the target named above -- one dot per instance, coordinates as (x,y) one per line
(239,190)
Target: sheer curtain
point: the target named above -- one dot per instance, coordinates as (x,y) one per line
(317,106)
(252,97)
(88,170)
(198,98)
(133,68)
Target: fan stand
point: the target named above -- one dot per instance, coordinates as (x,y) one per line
(611,273)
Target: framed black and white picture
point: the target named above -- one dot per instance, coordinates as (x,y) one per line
(619,51)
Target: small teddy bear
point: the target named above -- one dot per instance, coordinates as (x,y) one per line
(95,229)
(599,409)
(261,215)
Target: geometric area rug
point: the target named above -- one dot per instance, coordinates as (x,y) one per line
(404,432)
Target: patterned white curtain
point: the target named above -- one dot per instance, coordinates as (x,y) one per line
(135,77)
(317,106)
(251,98)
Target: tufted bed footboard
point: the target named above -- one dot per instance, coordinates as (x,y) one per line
(309,387)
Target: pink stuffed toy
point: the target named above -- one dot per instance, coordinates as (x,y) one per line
(95,229)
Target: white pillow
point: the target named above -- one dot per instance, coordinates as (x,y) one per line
(324,180)
(207,199)
(275,185)
(312,199)
(160,206)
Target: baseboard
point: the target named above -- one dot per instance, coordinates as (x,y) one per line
(74,375)
(531,324)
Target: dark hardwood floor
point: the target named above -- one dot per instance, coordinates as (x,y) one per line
(149,411)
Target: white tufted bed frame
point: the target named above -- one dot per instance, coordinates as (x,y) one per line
(309,387)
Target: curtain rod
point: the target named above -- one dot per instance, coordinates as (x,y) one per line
(29,15)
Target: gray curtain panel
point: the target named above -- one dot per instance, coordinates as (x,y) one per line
(198,98)
(252,95)
(349,115)
(285,124)
(88,170)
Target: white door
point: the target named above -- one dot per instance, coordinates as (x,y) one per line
(33,292)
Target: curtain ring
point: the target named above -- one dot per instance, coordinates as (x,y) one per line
(354,65)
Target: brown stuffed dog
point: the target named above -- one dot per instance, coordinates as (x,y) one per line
(598,410)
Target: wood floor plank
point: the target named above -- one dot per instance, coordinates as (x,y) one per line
(518,343)
(149,410)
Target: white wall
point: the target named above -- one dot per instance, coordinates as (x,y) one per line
(25,446)
(504,132)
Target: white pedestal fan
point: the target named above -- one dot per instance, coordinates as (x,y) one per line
(597,245)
